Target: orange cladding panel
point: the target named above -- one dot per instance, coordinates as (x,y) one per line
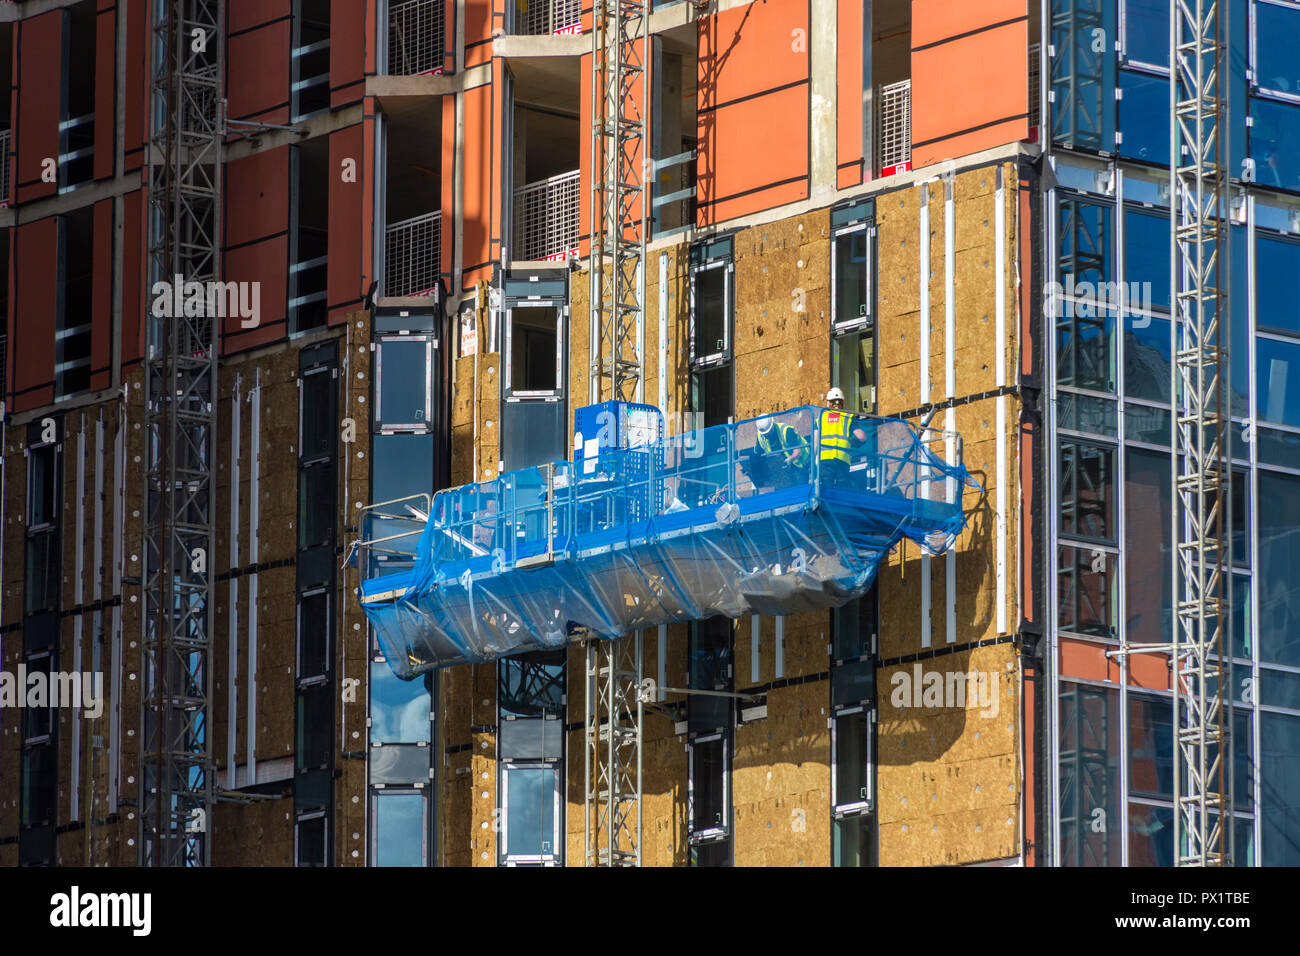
(33,310)
(346,185)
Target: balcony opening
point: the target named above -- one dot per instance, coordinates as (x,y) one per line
(673,135)
(77,124)
(891,82)
(308,237)
(72,328)
(413,197)
(417,34)
(547,17)
(310,87)
(546,142)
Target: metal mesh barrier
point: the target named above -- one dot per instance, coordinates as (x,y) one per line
(412,255)
(416,34)
(895,127)
(536,17)
(546,219)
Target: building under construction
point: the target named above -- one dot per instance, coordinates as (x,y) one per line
(416,412)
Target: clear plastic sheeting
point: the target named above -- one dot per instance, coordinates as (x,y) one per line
(736,520)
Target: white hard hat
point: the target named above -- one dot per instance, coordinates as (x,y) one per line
(835,394)
(764,426)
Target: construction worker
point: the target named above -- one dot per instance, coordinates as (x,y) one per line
(779,457)
(838,434)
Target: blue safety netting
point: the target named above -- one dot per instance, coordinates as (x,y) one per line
(723,520)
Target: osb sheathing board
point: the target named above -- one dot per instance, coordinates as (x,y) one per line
(959,833)
(782,314)
(780,781)
(468,765)
(255,834)
(948,790)
(484,821)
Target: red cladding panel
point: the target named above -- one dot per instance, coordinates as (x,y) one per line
(348,38)
(134,261)
(40,100)
(34,307)
(257,243)
(848,94)
(242,15)
(133,131)
(257,73)
(346,188)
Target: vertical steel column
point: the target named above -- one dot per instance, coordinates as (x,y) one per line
(620,47)
(176,785)
(1202,473)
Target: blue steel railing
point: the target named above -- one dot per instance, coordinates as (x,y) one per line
(527,516)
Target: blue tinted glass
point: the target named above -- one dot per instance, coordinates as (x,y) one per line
(402,465)
(1279,773)
(1279,556)
(1150,835)
(530,802)
(1085,330)
(1239,318)
(1146,31)
(1241,618)
(399,710)
(533,433)
(1146,259)
(1151,747)
(1275,142)
(1147,367)
(1277,381)
(1277,283)
(399,829)
(1144,117)
(1275,38)
(1148,580)
(1090,775)
(1083,77)
(403,380)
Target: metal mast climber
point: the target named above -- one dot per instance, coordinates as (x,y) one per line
(1201,496)
(620,43)
(176,780)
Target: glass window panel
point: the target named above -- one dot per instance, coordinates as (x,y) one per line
(403,381)
(399,710)
(709,319)
(1085,331)
(1279,797)
(1086,592)
(311,836)
(1148,575)
(708,785)
(1275,142)
(1089,770)
(1086,413)
(1150,835)
(533,433)
(532,685)
(853,683)
(1146,424)
(852,275)
(315,726)
(1242,639)
(45,502)
(714,853)
(1277,283)
(1150,747)
(535,349)
(1144,117)
(852,759)
(36,721)
(1276,28)
(531,738)
(313,635)
(710,669)
(317,505)
(1279,688)
(401,465)
(399,763)
(1087,475)
(1278,448)
(1146,258)
(711,395)
(1243,751)
(1147,366)
(1083,77)
(1239,319)
(318,413)
(400,831)
(1239,540)
(852,626)
(854,841)
(1276,578)
(1146,31)
(311,791)
(530,811)
(42,591)
(852,369)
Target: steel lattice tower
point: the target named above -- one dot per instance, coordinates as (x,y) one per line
(1201,497)
(176,780)
(620,44)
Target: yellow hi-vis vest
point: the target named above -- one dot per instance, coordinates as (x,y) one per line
(835,436)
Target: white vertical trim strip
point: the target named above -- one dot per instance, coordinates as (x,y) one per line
(1000,379)
(924,246)
(950,387)
(663,661)
(232,656)
(663,338)
(254,492)
(119,526)
(78,622)
(755,659)
(778,659)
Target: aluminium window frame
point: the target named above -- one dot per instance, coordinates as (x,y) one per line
(712,834)
(1253,85)
(387,428)
(721,357)
(297,51)
(859,322)
(307,681)
(556,856)
(561,307)
(379,791)
(866,806)
(310,816)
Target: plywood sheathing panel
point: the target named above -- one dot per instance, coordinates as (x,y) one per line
(781,781)
(948,790)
